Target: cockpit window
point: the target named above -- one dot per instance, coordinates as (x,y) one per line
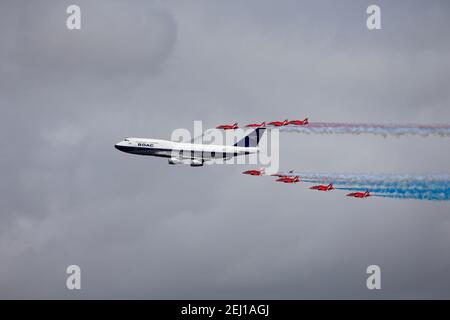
(127,140)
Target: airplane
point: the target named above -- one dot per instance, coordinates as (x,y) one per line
(323,187)
(299,122)
(256,125)
(228,126)
(254,172)
(287,179)
(359,194)
(279,123)
(193,154)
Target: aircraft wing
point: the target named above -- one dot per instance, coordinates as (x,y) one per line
(205,135)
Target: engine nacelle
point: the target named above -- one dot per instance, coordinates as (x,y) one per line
(175,161)
(196,163)
(192,163)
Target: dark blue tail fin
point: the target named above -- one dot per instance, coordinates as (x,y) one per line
(252,139)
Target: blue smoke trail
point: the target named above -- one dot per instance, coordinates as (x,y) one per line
(406,193)
(365,128)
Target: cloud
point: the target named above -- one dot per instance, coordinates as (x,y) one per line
(118,39)
(142,229)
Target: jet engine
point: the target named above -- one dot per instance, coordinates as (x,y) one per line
(193,162)
(196,163)
(175,161)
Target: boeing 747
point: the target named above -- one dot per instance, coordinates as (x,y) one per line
(193,154)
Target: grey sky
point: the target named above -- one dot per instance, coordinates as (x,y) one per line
(140,228)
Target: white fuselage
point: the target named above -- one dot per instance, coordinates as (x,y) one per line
(177,152)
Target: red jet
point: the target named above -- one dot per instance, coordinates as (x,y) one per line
(359,194)
(228,126)
(323,187)
(256,125)
(287,179)
(254,172)
(279,123)
(299,122)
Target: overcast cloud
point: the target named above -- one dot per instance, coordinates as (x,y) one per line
(139,228)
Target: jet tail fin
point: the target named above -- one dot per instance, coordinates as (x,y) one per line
(252,139)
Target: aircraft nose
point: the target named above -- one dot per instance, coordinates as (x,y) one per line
(120,146)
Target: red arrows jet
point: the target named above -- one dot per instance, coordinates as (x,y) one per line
(287,179)
(323,187)
(279,123)
(359,194)
(228,126)
(256,125)
(299,122)
(254,172)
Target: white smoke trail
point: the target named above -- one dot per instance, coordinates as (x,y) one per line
(365,128)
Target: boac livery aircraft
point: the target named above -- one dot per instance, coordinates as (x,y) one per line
(191,153)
